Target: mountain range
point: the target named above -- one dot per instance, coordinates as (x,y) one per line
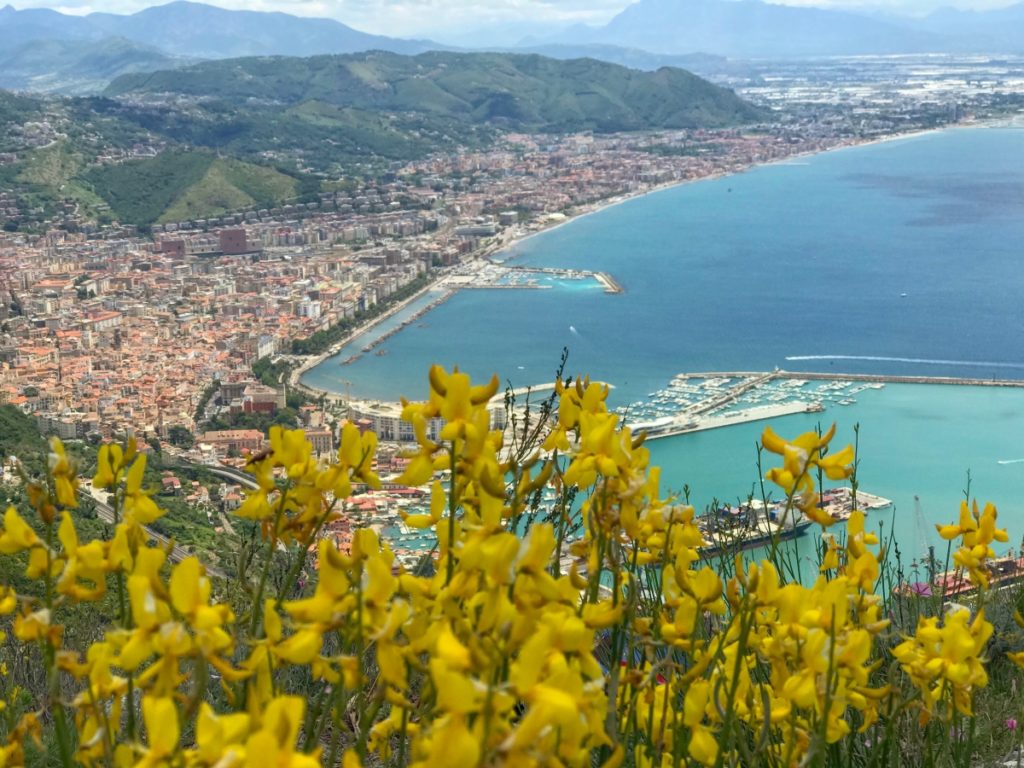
(197,30)
(218,136)
(749,28)
(44,50)
(524,92)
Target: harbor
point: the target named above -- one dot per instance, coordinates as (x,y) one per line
(730,528)
(710,400)
(695,402)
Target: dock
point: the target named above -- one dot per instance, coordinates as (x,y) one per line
(689,421)
(611,285)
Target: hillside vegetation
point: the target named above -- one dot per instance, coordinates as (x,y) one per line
(76,66)
(568,614)
(185,184)
(219,136)
(526,92)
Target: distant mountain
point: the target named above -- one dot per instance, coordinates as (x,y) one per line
(525,92)
(204,31)
(20,27)
(703,64)
(77,66)
(997,31)
(749,28)
(196,30)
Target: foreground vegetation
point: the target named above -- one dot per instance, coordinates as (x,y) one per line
(590,632)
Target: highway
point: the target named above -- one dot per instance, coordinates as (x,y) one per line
(177,554)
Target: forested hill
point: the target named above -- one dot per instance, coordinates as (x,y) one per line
(222,136)
(525,92)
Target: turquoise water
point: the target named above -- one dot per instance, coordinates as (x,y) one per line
(807,260)
(914,440)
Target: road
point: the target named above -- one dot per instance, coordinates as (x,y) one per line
(177,554)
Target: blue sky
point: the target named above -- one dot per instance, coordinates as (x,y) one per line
(443,19)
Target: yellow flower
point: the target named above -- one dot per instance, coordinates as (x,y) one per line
(945,662)
(138,507)
(162,730)
(978,531)
(799,459)
(273,745)
(65,479)
(220,737)
(108,465)
(17,534)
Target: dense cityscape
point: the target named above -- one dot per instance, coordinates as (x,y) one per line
(185,237)
(95,319)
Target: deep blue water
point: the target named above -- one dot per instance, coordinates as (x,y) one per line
(808,259)
(800,259)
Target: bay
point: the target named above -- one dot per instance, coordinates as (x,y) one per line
(902,257)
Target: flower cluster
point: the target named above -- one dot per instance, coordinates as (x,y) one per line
(598,630)
(977,531)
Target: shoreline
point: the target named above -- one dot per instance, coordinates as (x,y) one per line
(489,252)
(611,202)
(295,375)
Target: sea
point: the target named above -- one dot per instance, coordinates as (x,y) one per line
(900,257)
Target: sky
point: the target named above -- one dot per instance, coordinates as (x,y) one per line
(451,19)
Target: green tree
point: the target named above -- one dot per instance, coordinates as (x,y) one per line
(180,436)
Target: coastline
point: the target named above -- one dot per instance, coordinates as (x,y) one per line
(295,375)
(507,244)
(610,202)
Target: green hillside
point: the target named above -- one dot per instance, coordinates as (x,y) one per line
(18,434)
(51,173)
(185,184)
(229,185)
(76,66)
(522,91)
(224,135)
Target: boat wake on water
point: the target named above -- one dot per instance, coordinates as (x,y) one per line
(1010,461)
(913,360)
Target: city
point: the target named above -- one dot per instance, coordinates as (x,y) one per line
(751,520)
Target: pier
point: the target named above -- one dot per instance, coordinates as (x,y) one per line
(687,421)
(707,413)
(880,378)
(506,286)
(406,322)
(610,284)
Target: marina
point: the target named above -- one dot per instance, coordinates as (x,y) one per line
(708,400)
(695,402)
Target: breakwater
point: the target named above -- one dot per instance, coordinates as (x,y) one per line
(879,378)
(392,331)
